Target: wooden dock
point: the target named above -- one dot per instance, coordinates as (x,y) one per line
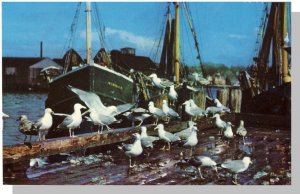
(16,157)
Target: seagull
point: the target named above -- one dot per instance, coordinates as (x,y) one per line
(192,140)
(74,120)
(219,123)
(228,131)
(220,105)
(132,116)
(241,130)
(166,136)
(196,109)
(172,95)
(203,161)
(189,111)
(133,150)
(185,133)
(44,123)
(92,100)
(160,82)
(37,161)
(168,111)
(26,127)
(286,39)
(101,119)
(5,115)
(147,141)
(158,113)
(237,166)
(213,110)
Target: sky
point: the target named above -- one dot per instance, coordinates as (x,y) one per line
(226,32)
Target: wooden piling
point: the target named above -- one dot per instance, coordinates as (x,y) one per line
(200,98)
(223,96)
(235,100)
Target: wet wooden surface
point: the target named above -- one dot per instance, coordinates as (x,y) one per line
(268,146)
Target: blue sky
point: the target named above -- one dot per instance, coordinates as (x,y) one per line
(226,31)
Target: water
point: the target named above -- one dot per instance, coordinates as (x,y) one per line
(16,104)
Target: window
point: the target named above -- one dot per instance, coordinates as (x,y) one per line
(10,71)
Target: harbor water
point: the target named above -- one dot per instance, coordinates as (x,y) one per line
(16,104)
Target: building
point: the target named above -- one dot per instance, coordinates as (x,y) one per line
(16,72)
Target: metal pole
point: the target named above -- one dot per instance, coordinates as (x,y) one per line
(88,32)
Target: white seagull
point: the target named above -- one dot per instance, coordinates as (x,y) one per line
(156,112)
(185,133)
(203,161)
(172,95)
(169,111)
(196,109)
(72,121)
(220,105)
(147,141)
(241,130)
(192,140)
(219,123)
(132,150)
(159,82)
(45,123)
(191,112)
(166,136)
(237,166)
(228,131)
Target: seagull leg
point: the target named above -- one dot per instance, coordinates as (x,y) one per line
(25,138)
(216,169)
(70,132)
(108,128)
(244,140)
(235,180)
(40,135)
(99,129)
(163,148)
(130,163)
(139,123)
(191,151)
(30,138)
(169,146)
(199,170)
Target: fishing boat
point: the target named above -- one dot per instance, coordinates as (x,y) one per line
(113,87)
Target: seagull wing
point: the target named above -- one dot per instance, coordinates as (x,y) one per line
(166,82)
(91,99)
(233,165)
(125,107)
(67,121)
(171,136)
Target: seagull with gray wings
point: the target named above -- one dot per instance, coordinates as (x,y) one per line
(166,136)
(147,141)
(185,133)
(237,166)
(219,123)
(241,130)
(203,161)
(133,150)
(169,111)
(156,112)
(72,121)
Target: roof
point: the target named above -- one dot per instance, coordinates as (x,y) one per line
(139,63)
(19,61)
(46,62)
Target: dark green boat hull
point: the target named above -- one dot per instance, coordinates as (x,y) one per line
(112,88)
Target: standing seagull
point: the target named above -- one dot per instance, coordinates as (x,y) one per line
(192,140)
(219,123)
(168,111)
(45,123)
(74,120)
(166,136)
(193,112)
(237,166)
(228,131)
(159,82)
(133,150)
(220,105)
(185,133)
(156,112)
(172,95)
(196,109)
(203,161)
(147,141)
(26,127)
(241,130)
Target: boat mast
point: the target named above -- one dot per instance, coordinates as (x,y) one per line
(88,32)
(177,43)
(285,76)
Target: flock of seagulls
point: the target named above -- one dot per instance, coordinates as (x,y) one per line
(103,116)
